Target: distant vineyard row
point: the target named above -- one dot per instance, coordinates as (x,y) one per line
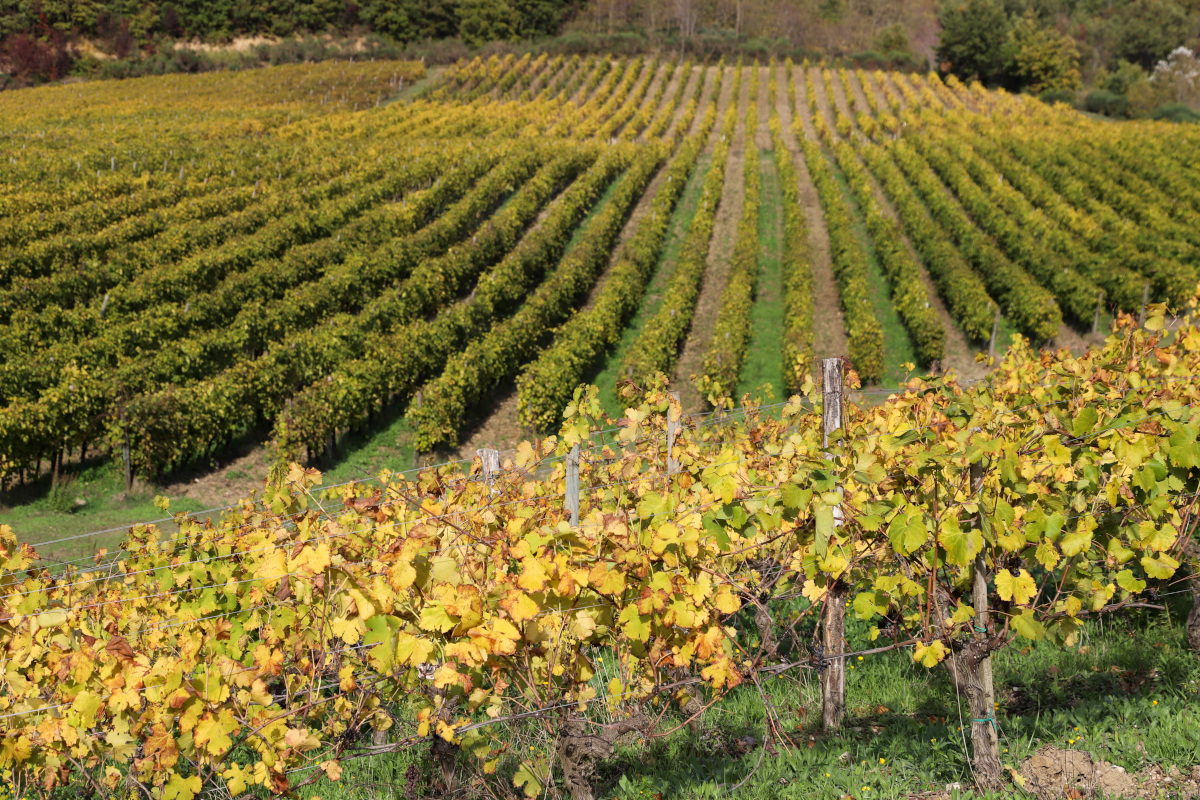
(180,268)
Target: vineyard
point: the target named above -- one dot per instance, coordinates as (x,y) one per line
(283,255)
(626,258)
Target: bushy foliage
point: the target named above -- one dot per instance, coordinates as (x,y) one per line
(1106,103)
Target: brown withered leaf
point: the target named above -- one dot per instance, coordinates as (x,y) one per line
(119,648)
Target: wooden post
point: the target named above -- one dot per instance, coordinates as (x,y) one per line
(674,425)
(833,619)
(572,501)
(490,461)
(1096,318)
(1145,300)
(995,333)
(976,668)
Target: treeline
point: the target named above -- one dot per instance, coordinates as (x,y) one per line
(44,40)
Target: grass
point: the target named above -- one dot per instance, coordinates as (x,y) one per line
(1128,692)
(91,498)
(607,375)
(762,372)
(897,346)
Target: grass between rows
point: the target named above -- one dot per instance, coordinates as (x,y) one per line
(1127,692)
(897,346)
(762,373)
(606,376)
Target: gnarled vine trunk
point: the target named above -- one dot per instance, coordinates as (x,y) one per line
(582,743)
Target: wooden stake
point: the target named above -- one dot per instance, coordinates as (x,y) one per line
(1145,300)
(490,460)
(674,425)
(572,500)
(995,333)
(1099,305)
(833,618)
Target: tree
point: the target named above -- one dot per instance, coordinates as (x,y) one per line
(481,21)
(1043,60)
(1147,30)
(973,40)
(1178,76)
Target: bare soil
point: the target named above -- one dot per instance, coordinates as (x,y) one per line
(499,429)
(720,253)
(1053,773)
(829,329)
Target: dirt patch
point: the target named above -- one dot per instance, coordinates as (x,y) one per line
(829,329)
(720,250)
(226,481)
(1053,773)
(499,429)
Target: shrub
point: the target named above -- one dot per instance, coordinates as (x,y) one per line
(1057,96)
(1175,112)
(1109,104)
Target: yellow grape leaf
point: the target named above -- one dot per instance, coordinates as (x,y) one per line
(725,602)
(1127,581)
(533,575)
(526,455)
(434,618)
(526,779)
(606,581)
(1020,589)
(181,788)
(120,745)
(636,626)
(1047,554)
(86,705)
(721,674)
(930,655)
(237,779)
(1160,566)
(313,560)
(520,606)
(1076,541)
(411,650)
(366,609)
(301,740)
(1025,625)
(332,769)
(401,575)
(271,569)
(1156,538)
(212,732)
(962,613)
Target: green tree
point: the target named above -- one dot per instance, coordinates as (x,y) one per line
(1042,60)
(973,39)
(481,21)
(1147,30)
